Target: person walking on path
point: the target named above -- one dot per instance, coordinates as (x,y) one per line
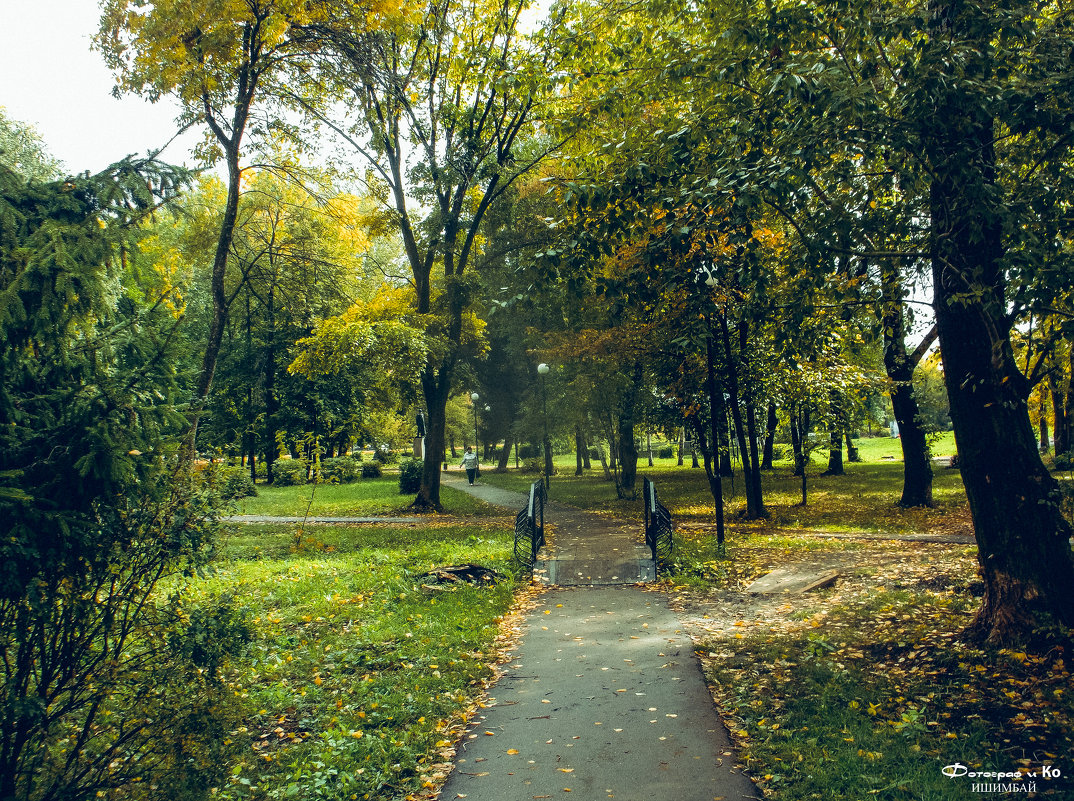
(469,461)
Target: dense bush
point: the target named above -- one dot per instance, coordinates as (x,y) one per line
(410,476)
(98,697)
(341,470)
(385,455)
(532,465)
(230,483)
(372,469)
(290,473)
(666,453)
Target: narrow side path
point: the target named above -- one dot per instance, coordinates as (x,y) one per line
(605,699)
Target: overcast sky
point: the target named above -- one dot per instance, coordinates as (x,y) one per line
(50,78)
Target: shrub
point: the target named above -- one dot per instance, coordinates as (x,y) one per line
(341,470)
(385,455)
(666,453)
(229,483)
(533,465)
(290,473)
(372,470)
(410,476)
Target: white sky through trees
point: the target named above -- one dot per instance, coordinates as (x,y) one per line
(51,79)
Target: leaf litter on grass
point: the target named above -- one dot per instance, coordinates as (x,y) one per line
(867,688)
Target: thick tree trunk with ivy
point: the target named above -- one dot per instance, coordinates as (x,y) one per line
(1023,539)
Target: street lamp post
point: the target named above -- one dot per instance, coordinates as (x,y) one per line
(474,397)
(488,410)
(542,370)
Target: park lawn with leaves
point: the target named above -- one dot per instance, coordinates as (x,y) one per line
(361,672)
(368,497)
(862,500)
(867,689)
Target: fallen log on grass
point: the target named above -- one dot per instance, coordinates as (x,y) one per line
(452,575)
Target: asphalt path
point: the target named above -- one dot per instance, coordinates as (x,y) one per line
(605,697)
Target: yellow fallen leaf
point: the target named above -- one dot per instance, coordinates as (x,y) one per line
(566,770)
(512,751)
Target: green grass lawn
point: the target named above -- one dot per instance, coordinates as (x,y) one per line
(360,671)
(865,499)
(360,679)
(368,497)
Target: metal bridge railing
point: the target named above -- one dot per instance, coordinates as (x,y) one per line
(529,527)
(659,530)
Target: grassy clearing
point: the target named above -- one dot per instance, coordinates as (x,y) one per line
(358,675)
(378,496)
(865,499)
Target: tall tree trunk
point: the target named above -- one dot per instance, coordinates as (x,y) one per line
(797,435)
(579,449)
(505,455)
(715,411)
(1022,537)
(218,321)
(628,449)
(852,450)
(1045,440)
(747,433)
(435,386)
(682,445)
(1068,407)
(835,455)
(272,403)
(771,424)
(725,436)
(899,364)
(604,461)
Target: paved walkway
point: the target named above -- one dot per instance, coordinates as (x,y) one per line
(585,548)
(605,697)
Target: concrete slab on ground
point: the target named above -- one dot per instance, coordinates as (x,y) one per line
(792,581)
(604,699)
